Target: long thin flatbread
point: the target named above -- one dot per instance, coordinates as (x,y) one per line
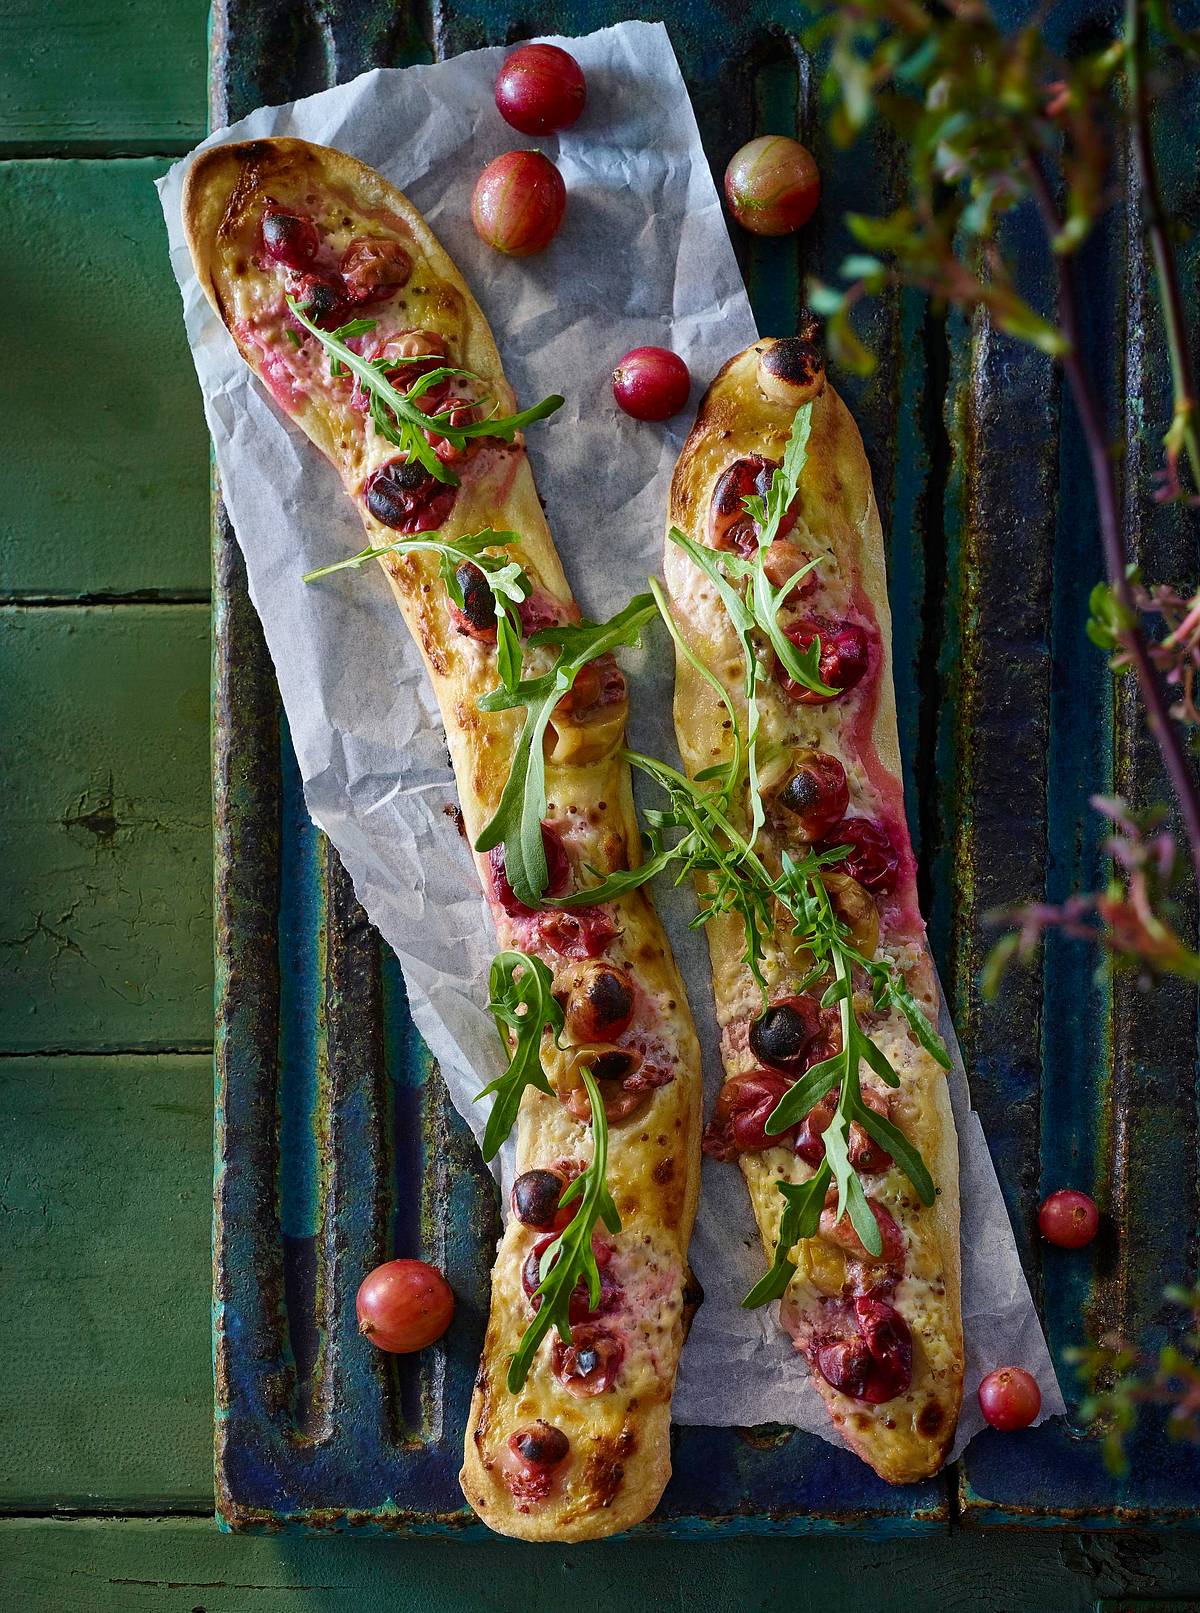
(855,1318)
(583,1449)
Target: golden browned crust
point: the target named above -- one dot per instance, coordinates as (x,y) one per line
(907,1438)
(620,1445)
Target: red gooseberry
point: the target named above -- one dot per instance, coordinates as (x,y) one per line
(651,383)
(1069,1219)
(540,89)
(772,185)
(404,1305)
(518,203)
(1010,1398)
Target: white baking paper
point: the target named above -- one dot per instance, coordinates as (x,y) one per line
(643,257)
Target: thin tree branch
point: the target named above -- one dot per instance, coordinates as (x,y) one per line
(1166,733)
(1184,423)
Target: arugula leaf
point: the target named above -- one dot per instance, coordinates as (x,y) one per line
(517,821)
(764,599)
(890,986)
(571,1256)
(395,414)
(344,333)
(734,879)
(521,1001)
(742,617)
(808,1091)
(613,886)
(768,516)
(802,890)
(508,649)
(843,1067)
(509,584)
(758,609)
(801,1217)
(733,771)
(851,1199)
(892,1139)
(738,882)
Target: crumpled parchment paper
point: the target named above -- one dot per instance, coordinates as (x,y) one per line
(643,257)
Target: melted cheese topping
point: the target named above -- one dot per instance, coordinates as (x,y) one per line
(619,1456)
(906,1437)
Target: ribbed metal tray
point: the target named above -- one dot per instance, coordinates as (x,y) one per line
(335,1144)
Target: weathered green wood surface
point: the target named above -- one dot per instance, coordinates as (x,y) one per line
(76,76)
(183,1566)
(104,445)
(105,891)
(105,1389)
(104,1374)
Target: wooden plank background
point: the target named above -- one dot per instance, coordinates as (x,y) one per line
(105,1387)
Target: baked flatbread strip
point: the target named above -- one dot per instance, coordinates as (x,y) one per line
(610,1397)
(747,415)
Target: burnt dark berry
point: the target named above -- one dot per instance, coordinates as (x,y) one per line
(403,495)
(289,240)
(321,301)
(394,491)
(793,362)
(801,792)
(611,997)
(478,605)
(817,793)
(600,1005)
(535,1196)
(614,1064)
(540,1445)
(782,1034)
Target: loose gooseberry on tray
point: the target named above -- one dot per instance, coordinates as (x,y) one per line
(772,185)
(540,89)
(1069,1219)
(404,1305)
(1010,1398)
(518,203)
(651,383)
